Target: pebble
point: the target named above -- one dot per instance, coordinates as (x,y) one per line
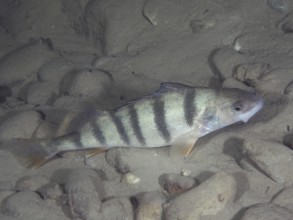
(258,43)
(251,71)
(233,83)
(85,191)
(278,5)
(29,205)
(68,102)
(176,183)
(149,206)
(225,60)
(27,58)
(274,159)
(20,125)
(54,70)
(209,198)
(130,178)
(276,81)
(32,183)
(51,191)
(40,93)
(266,211)
(91,83)
(117,208)
(284,198)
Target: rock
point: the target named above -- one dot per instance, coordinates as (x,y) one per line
(122,207)
(68,102)
(261,42)
(225,60)
(276,81)
(21,125)
(251,71)
(32,183)
(5,91)
(278,5)
(5,194)
(27,58)
(55,69)
(149,206)
(115,159)
(208,198)
(274,159)
(284,198)
(91,83)
(266,212)
(233,83)
(85,191)
(130,178)
(40,93)
(51,191)
(29,205)
(175,183)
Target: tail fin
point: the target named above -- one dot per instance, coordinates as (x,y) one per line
(29,153)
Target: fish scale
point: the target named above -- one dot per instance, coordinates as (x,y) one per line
(174,115)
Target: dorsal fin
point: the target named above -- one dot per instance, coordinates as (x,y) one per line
(170,86)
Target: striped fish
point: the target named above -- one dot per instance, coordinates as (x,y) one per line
(175,115)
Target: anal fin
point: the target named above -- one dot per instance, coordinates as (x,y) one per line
(94,151)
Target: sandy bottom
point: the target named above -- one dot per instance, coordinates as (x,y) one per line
(58,57)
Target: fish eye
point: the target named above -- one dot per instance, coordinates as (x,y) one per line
(237,107)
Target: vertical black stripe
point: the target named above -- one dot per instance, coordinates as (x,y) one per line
(160,119)
(120,128)
(98,133)
(76,139)
(135,124)
(189,106)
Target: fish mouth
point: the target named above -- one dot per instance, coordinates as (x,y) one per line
(259,103)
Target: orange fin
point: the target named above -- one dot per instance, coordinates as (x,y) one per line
(184,145)
(94,151)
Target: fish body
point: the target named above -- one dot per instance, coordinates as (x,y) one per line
(176,114)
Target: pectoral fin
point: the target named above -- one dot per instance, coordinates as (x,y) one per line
(94,151)
(184,145)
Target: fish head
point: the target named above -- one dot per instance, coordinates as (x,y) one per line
(234,105)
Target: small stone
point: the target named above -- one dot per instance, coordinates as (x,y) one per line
(54,70)
(5,194)
(274,159)
(175,183)
(233,83)
(266,212)
(51,191)
(89,83)
(68,102)
(130,178)
(251,71)
(85,191)
(23,62)
(29,205)
(21,125)
(208,198)
(40,93)
(185,172)
(149,206)
(284,198)
(225,60)
(114,158)
(32,183)
(122,207)
(278,5)
(276,81)
(261,42)
(287,27)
